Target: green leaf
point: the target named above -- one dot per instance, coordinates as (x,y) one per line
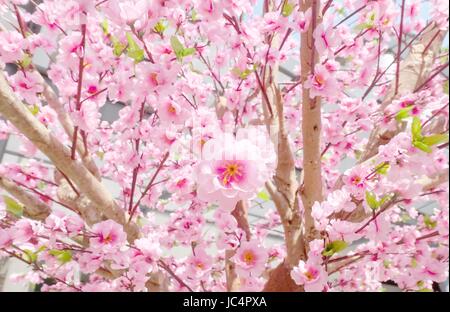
(179,50)
(416,129)
(243,74)
(372,201)
(26,61)
(422,146)
(177,46)
(364,26)
(384,199)
(264,196)
(446,87)
(403,113)
(287,9)
(118,47)
(435,139)
(160,27)
(30,256)
(382,168)
(430,224)
(188,51)
(425,290)
(63,256)
(334,247)
(41,185)
(13,206)
(105,26)
(100,155)
(134,51)
(34,109)
(194,15)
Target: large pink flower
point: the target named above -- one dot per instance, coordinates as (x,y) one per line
(5,238)
(11,44)
(107,235)
(322,83)
(250,259)
(231,170)
(311,275)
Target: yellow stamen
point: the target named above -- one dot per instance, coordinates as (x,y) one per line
(248,257)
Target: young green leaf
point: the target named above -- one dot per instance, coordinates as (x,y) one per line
(105,26)
(194,15)
(372,201)
(422,146)
(435,139)
(63,256)
(160,27)
(118,47)
(429,223)
(264,196)
(334,247)
(188,51)
(134,51)
(30,256)
(382,168)
(287,9)
(13,206)
(179,50)
(177,46)
(384,199)
(403,113)
(34,109)
(26,61)
(416,129)
(243,74)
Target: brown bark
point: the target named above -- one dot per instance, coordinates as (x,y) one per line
(311,190)
(298,229)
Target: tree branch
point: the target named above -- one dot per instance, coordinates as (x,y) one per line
(16,112)
(311,190)
(34,208)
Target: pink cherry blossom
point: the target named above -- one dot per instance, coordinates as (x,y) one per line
(321,83)
(27,86)
(302,20)
(311,275)
(250,259)
(325,39)
(231,170)
(107,235)
(11,45)
(5,238)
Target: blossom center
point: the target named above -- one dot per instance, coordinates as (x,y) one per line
(356,180)
(108,239)
(230,172)
(200,265)
(181,183)
(319,80)
(311,274)
(171,109)
(154,79)
(248,257)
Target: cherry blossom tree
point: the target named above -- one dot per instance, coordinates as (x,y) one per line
(344,153)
